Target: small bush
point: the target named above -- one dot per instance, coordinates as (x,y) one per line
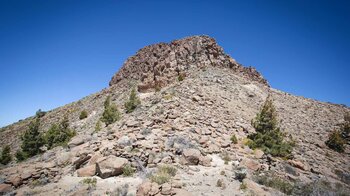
(40,113)
(111,113)
(21,156)
(243,186)
(83,114)
(181,77)
(6,155)
(268,136)
(98,126)
(164,174)
(336,142)
(91,182)
(128,171)
(276,183)
(234,139)
(58,134)
(226,157)
(133,102)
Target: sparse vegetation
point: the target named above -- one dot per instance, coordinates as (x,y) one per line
(226,157)
(268,136)
(338,138)
(181,77)
(164,174)
(21,156)
(98,126)
(275,182)
(128,171)
(133,102)
(335,141)
(243,186)
(58,134)
(83,114)
(234,139)
(91,182)
(111,113)
(6,155)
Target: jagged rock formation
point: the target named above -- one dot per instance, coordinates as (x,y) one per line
(187,125)
(161,64)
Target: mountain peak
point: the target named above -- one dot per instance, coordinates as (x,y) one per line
(161,64)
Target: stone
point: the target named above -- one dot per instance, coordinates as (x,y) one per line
(205,161)
(5,188)
(255,188)
(76,141)
(132,123)
(297,164)
(166,189)
(225,144)
(87,171)
(251,164)
(192,156)
(196,98)
(213,148)
(147,188)
(124,141)
(110,166)
(64,158)
(15,180)
(258,153)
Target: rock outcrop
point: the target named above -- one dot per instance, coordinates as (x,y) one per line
(160,64)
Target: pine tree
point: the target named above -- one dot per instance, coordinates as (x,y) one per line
(133,102)
(59,134)
(32,139)
(6,155)
(268,135)
(111,113)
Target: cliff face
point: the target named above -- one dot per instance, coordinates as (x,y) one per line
(161,64)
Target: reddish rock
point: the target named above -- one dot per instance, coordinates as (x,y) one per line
(5,188)
(87,171)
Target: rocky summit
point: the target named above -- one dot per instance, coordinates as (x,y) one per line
(176,119)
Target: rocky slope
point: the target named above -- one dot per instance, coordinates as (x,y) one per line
(186,125)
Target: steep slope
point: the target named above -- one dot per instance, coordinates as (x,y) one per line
(216,99)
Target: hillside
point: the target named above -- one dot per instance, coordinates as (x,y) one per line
(194,97)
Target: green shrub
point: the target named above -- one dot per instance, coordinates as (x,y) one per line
(268,135)
(21,156)
(163,175)
(32,139)
(133,102)
(6,155)
(276,183)
(83,114)
(181,77)
(111,113)
(98,126)
(128,171)
(58,134)
(336,142)
(234,139)
(91,182)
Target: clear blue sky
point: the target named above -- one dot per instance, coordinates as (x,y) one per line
(55,52)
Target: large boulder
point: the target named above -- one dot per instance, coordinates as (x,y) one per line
(110,166)
(87,171)
(192,156)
